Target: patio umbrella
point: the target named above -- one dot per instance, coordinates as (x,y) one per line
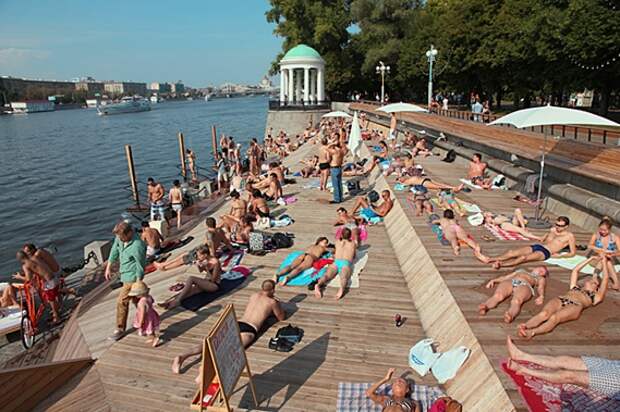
(355,138)
(401,107)
(546,116)
(337,114)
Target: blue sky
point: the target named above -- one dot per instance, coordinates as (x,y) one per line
(199,42)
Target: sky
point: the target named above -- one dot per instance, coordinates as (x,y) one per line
(202,43)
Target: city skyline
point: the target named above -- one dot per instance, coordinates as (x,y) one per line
(200,44)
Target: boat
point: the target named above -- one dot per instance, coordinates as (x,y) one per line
(32,106)
(155,99)
(207,97)
(126,105)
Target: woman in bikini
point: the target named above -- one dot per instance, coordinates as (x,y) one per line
(399,401)
(570,305)
(238,209)
(428,183)
(520,285)
(604,243)
(515,224)
(303,261)
(383,152)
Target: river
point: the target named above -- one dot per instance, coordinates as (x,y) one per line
(64,173)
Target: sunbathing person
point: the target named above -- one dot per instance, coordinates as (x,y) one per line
(215,238)
(428,183)
(604,243)
(448,201)
(455,234)
(261,306)
(369,211)
(311,168)
(356,169)
(421,148)
(597,374)
(8,297)
(520,285)
(152,239)
(342,266)
(477,172)
(350,222)
(420,199)
(396,165)
(399,401)
(570,305)
(558,238)
(517,223)
(384,151)
(303,262)
(274,191)
(258,205)
(238,209)
(205,262)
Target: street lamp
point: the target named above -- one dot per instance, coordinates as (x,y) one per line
(382,69)
(430,54)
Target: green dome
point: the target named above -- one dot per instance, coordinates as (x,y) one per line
(301,51)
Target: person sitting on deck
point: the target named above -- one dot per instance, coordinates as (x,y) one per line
(152,239)
(383,153)
(33,267)
(274,191)
(215,238)
(205,262)
(597,374)
(520,285)
(261,306)
(558,238)
(399,401)
(570,305)
(8,297)
(369,211)
(604,243)
(342,266)
(350,222)
(258,205)
(238,209)
(477,172)
(421,148)
(517,223)
(304,261)
(311,167)
(396,165)
(455,234)
(428,183)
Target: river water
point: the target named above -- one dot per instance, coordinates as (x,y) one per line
(63,174)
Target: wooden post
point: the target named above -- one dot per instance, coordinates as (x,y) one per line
(132,174)
(182,155)
(214,141)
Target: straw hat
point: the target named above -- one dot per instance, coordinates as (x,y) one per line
(138,288)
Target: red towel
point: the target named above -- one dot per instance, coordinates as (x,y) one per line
(320,263)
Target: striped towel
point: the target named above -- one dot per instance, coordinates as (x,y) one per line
(352,396)
(502,234)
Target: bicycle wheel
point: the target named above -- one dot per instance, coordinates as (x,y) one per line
(28,332)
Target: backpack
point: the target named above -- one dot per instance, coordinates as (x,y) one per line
(291,333)
(373,196)
(281,241)
(450,156)
(446,404)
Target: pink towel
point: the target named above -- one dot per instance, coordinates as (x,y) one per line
(289,199)
(502,234)
(363,233)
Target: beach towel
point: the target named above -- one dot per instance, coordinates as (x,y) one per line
(229,260)
(363,233)
(469,207)
(470,184)
(422,356)
(352,396)
(282,221)
(571,262)
(400,187)
(197,301)
(370,216)
(449,363)
(437,230)
(476,220)
(312,184)
(502,234)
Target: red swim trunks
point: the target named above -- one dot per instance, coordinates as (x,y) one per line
(50,295)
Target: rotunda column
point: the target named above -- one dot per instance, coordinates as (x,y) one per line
(313,85)
(298,86)
(320,84)
(291,90)
(306,85)
(282,85)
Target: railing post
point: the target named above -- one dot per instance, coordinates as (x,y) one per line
(214,141)
(563,131)
(589,134)
(132,175)
(604,136)
(576,132)
(182,155)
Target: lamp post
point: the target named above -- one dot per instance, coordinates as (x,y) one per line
(430,54)
(382,69)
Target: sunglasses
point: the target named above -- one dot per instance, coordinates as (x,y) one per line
(558,225)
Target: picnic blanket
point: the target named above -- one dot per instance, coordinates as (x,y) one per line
(540,395)
(352,396)
(231,280)
(571,262)
(502,234)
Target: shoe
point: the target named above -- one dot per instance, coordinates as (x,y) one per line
(117,335)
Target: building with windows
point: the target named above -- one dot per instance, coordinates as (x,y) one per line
(160,88)
(177,87)
(125,88)
(90,87)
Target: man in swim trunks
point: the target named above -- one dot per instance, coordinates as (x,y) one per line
(175,197)
(32,267)
(369,211)
(261,306)
(152,238)
(477,172)
(342,266)
(558,238)
(215,238)
(303,262)
(337,153)
(156,195)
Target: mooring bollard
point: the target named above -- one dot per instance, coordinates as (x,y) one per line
(132,174)
(182,155)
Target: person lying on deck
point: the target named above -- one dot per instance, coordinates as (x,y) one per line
(570,305)
(399,401)
(8,297)
(604,243)
(419,197)
(261,306)
(428,183)
(350,222)
(152,239)
(597,374)
(516,223)
(311,167)
(558,238)
(215,238)
(369,211)
(304,261)
(448,201)
(520,285)
(205,262)
(456,235)
(342,266)
(477,172)
(359,169)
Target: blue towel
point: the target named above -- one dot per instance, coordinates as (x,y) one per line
(400,187)
(307,276)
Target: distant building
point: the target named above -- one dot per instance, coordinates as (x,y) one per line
(265,83)
(91,87)
(160,88)
(177,87)
(16,89)
(125,88)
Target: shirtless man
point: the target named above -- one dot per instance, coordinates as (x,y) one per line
(238,209)
(393,132)
(349,221)
(337,153)
(477,172)
(156,195)
(369,210)
(152,238)
(175,197)
(421,148)
(32,267)
(253,155)
(215,237)
(261,306)
(324,159)
(342,266)
(428,183)
(42,256)
(558,238)
(274,191)
(303,262)
(456,235)
(191,160)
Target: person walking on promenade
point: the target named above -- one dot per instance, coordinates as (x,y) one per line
(337,154)
(130,251)
(156,195)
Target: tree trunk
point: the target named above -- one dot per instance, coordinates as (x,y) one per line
(499,94)
(604,102)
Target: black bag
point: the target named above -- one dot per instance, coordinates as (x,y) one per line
(450,156)
(290,333)
(373,196)
(281,241)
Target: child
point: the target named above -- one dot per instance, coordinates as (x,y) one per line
(448,201)
(146,320)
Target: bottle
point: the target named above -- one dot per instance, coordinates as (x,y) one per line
(398,320)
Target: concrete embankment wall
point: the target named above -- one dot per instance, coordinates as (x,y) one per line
(292,121)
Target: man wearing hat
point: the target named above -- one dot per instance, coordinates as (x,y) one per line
(130,251)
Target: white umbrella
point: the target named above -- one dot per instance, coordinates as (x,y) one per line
(546,116)
(401,107)
(355,138)
(337,114)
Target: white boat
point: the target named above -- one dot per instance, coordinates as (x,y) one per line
(126,105)
(207,97)
(32,106)
(155,99)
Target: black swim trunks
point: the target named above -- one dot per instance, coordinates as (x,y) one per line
(247,328)
(540,248)
(324,166)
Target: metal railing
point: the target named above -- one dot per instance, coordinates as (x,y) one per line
(278,105)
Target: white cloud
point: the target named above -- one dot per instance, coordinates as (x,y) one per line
(13,58)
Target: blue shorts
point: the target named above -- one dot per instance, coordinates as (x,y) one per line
(540,248)
(367,213)
(341,264)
